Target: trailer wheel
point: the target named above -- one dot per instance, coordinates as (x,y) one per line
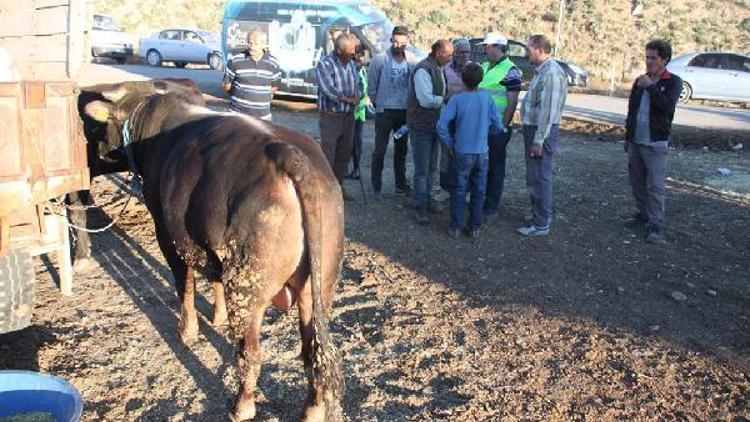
(16,290)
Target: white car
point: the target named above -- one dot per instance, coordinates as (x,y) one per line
(182,46)
(108,40)
(713,75)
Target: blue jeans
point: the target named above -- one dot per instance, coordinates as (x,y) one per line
(540,174)
(470,171)
(424,147)
(496,174)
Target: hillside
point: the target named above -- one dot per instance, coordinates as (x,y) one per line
(603,36)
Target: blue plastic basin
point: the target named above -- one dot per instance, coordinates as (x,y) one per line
(27,391)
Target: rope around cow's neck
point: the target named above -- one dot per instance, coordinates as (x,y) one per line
(134,184)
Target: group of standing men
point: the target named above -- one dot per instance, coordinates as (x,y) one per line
(410,96)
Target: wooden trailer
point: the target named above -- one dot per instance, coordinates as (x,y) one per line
(42,147)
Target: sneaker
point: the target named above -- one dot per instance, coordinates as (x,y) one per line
(441,196)
(422,218)
(403,189)
(474,235)
(533,231)
(655,236)
(454,233)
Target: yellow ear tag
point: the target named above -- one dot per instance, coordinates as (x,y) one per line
(101,115)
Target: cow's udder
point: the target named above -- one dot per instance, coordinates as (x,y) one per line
(284,299)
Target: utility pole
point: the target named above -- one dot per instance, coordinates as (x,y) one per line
(559,28)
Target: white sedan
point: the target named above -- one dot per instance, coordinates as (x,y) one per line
(182,46)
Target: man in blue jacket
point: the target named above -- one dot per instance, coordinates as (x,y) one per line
(647,129)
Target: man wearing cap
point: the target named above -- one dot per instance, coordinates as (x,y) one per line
(388,86)
(251,78)
(502,79)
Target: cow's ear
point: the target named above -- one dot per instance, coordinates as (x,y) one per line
(99,110)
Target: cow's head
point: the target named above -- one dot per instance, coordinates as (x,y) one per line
(106,108)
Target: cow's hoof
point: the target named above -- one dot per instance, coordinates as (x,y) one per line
(82,265)
(315,414)
(220,320)
(244,411)
(189,332)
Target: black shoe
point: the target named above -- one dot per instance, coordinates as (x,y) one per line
(635,221)
(422,218)
(403,189)
(347,197)
(434,208)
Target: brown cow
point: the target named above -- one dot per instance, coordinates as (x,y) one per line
(252,206)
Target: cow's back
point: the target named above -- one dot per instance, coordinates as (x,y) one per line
(221,194)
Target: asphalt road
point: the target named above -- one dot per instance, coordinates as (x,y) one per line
(590,107)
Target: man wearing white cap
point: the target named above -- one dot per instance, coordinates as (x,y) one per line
(502,79)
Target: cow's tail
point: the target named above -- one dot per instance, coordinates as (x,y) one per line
(324,356)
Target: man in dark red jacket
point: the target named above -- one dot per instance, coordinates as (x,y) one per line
(647,129)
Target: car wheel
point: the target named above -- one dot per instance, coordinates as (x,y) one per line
(16,290)
(180,64)
(214,61)
(153,58)
(686,92)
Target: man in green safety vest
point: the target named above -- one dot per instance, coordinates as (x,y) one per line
(502,79)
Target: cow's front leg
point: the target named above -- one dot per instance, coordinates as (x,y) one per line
(188,316)
(81,241)
(248,362)
(220,306)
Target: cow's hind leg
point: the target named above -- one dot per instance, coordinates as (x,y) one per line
(188,316)
(220,307)
(246,311)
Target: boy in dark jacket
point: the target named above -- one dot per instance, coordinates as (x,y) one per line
(647,129)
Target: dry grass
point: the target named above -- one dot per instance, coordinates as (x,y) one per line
(605,37)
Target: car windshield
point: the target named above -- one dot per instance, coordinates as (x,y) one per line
(378,34)
(104,23)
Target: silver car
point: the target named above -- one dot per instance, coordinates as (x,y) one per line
(182,46)
(720,76)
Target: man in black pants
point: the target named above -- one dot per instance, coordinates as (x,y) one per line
(388,85)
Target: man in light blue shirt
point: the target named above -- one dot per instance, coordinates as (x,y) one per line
(475,116)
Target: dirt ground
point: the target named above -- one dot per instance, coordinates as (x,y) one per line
(589,323)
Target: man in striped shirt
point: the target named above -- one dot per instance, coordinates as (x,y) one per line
(338,93)
(541,112)
(252,77)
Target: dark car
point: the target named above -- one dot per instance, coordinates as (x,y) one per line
(517,53)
